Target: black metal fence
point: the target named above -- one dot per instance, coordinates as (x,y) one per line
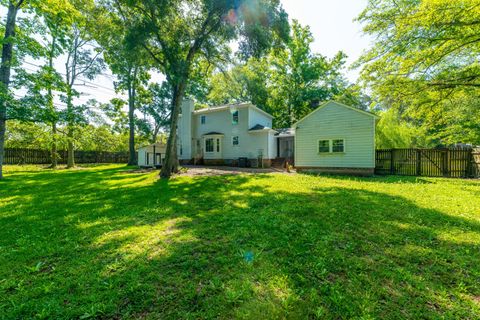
(457,163)
(35,156)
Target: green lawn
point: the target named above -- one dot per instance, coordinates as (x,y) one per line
(103,243)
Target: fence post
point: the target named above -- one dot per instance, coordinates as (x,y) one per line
(444,163)
(419,162)
(470,168)
(392,160)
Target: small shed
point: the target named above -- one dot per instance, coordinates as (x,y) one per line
(152,155)
(336,138)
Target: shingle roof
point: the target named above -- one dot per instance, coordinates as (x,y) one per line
(213,133)
(257,127)
(285,132)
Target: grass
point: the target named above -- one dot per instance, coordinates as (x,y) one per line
(103,243)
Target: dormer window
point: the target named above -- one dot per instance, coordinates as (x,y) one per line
(203,119)
(235,117)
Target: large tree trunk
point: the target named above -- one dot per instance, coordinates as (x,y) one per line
(171,160)
(70,129)
(131,121)
(7,55)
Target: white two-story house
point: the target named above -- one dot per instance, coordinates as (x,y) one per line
(226,135)
(333,138)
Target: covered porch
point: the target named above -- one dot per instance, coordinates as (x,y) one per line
(285,141)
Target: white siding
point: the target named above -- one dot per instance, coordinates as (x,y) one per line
(334,121)
(256,117)
(250,144)
(142,155)
(184,143)
(272,143)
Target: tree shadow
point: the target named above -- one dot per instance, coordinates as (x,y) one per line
(132,246)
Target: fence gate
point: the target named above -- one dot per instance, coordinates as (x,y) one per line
(457,163)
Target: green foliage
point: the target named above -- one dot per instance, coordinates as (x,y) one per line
(89,137)
(394,132)
(155,105)
(27,135)
(125,245)
(425,62)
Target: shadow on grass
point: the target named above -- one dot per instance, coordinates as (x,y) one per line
(377,178)
(106,244)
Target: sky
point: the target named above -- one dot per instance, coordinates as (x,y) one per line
(331,23)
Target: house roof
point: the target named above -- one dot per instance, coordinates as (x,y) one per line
(228,106)
(257,127)
(338,104)
(156,145)
(260,128)
(285,132)
(213,133)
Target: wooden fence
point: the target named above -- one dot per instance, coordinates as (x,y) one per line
(35,156)
(456,163)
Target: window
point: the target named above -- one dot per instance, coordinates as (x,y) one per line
(209,145)
(235,141)
(331,146)
(235,117)
(338,145)
(324,146)
(203,119)
(218,145)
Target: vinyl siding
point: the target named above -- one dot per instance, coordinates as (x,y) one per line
(256,117)
(142,152)
(334,121)
(184,142)
(221,121)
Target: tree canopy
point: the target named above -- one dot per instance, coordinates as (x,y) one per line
(424,62)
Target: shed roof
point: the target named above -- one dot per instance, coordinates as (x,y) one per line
(157,145)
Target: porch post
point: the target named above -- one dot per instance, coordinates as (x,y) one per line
(278,147)
(154,156)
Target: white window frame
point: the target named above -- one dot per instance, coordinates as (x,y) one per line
(203,119)
(237,116)
(217,145)
(213,145)
(330,146)
(318,146)
(233,141)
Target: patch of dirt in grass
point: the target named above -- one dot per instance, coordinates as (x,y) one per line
(194,171)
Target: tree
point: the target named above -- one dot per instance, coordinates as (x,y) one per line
(301,78)
(156,106)
(5,70)
(241,83)
(425,56)
(127,62)
(55,25)
(176,33)
(84,59)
